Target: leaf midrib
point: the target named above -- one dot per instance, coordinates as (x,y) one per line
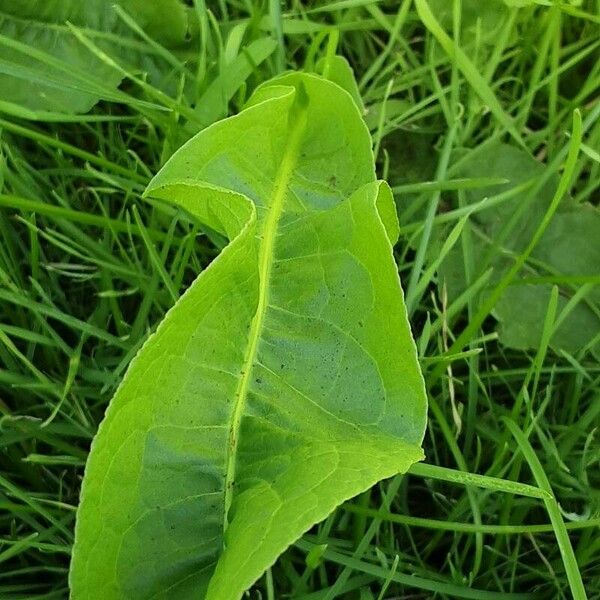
(266,251)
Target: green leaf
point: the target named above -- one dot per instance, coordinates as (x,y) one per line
(565,253)
(519,169)
(337,69)
(570,248)
(282,383)
(44,67)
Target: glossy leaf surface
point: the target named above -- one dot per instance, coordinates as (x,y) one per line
(283,382)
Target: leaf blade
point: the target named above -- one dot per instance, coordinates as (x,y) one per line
(270,374)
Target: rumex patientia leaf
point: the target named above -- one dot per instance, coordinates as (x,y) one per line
(282,383)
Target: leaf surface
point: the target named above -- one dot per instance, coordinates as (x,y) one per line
(282,383)
(44,67)
(569,248)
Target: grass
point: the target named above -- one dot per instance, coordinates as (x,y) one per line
(508,504)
